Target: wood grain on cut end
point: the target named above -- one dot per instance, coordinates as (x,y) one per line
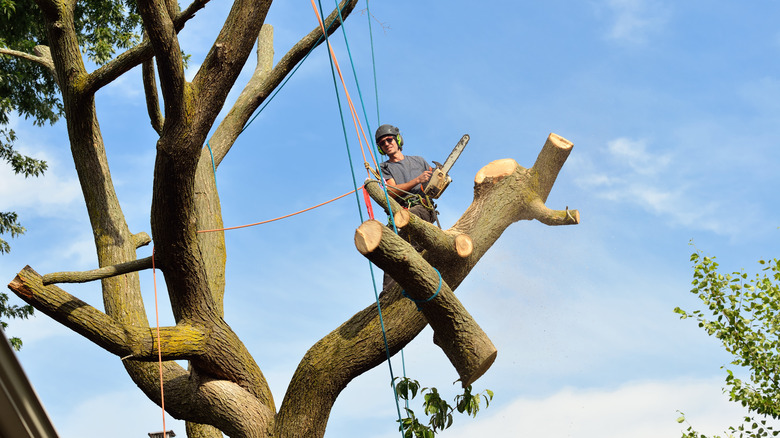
(401,218)
(368,235)
(559,141)
(463,245)
(498,168)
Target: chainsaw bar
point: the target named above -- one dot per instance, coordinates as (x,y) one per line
(456,151)
(440,178)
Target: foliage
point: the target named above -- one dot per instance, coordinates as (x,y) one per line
(13,311)
(743,312)
(439,410)
(9,221)
(751,429)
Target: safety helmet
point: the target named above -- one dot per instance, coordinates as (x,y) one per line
(386,130)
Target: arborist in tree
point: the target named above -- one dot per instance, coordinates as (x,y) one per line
(406,175)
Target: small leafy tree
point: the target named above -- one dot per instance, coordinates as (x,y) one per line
(439,410)
(743,312)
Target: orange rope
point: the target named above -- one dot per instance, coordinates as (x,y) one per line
(159,345)
(353,112)
(278,218)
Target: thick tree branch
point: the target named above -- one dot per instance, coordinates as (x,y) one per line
(468,347)
(161,32)
(224,62)
(550,161)
(263,82)
(129,59)
(140,343)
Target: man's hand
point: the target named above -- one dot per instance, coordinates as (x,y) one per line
(424,177)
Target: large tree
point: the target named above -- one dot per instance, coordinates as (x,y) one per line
(223,388)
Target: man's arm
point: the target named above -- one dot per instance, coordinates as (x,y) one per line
(399,190)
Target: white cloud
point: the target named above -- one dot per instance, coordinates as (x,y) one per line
(634,153)
(635,20)
(636,410)
(103,415)
(46,195)
(631,171)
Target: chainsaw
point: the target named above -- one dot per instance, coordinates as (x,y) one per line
(440,177)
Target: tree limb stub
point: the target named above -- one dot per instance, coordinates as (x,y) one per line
(468,347)
(440,243)
(179,342)
(550,161)
(97,274)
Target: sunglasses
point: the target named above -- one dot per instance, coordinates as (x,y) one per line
(385,141)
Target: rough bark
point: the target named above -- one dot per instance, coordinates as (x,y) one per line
(468,347)
(224,388)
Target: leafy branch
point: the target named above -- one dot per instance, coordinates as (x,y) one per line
(743,312)
(439,410)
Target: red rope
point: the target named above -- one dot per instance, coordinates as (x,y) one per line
(368,203)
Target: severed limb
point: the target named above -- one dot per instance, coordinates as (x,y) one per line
(183,341)
(441,243)
(460,337)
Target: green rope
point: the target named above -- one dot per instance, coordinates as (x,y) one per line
(373,60)
(354,71)
(343,124)
(354,181)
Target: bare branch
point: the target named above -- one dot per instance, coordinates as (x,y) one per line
(141,239)
(140,343)
(42,56)
(150,92)
(550,161)
(129,59)
(160,30)
(97,274)
(263,83)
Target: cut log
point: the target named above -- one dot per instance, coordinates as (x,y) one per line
(460,337)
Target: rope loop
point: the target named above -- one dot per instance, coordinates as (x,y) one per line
(418,302)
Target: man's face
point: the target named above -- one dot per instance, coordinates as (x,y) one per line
(387,144)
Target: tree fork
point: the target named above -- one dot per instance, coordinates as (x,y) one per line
(183,341)
(468,347)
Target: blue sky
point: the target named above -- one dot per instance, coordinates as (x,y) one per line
(672,108)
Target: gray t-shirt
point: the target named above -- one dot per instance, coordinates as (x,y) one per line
(405,170)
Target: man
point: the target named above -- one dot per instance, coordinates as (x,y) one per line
(406,175)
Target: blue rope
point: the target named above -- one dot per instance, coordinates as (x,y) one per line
(213,167)
(373,60)
(418,302)
(373,147)
(279,88)
(371,268)
(343,124)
